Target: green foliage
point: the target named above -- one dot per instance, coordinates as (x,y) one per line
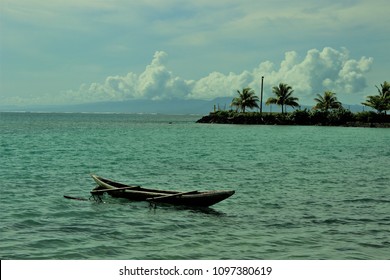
(327,111)
(327,101)
(365,116)
(270,119)
(339,117)
(319,117)
(223,114)
(283,97)
(371,117)
(301,117)
(380,102)
(246,98)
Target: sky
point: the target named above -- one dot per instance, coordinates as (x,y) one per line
(81,51)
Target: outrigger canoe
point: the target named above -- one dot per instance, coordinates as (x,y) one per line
(138,193)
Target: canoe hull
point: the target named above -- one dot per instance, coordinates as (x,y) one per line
(137,193)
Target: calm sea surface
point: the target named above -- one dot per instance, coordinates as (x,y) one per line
(301,192)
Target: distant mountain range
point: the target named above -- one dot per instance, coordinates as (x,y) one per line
(173,106)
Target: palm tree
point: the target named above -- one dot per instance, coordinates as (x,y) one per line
(384,90)
(246,98)
(380,102)
(327,101)
(377,103)
(283,97)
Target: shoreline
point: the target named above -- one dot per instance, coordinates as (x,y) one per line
(343,118)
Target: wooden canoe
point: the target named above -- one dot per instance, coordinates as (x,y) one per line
(138,193)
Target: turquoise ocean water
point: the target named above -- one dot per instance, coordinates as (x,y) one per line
(301,192)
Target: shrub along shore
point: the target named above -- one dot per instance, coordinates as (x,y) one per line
(328,111)
(339,117)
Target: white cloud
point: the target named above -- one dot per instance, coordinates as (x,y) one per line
(48,46)
(219,85)
(317,71)
(156,82)
(328,69)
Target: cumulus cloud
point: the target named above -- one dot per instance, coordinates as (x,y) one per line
(317,71)
(328,69)
(155,83)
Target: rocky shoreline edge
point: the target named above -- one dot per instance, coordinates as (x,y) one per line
(304,117)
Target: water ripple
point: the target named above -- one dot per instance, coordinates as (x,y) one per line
(301,192)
